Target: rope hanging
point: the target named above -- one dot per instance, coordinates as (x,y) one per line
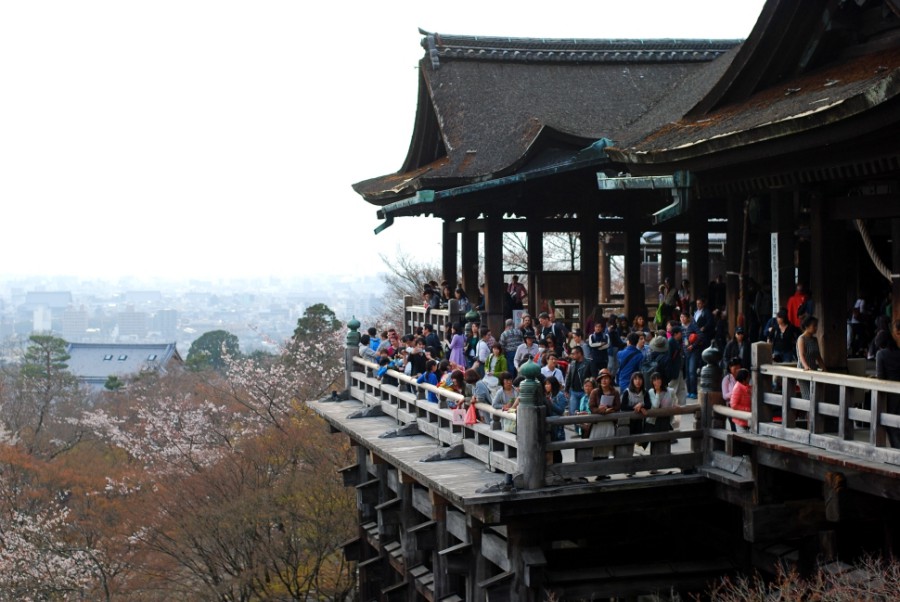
(870,248)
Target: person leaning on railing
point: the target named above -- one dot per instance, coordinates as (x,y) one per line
(741,399)
(887,367)
(556,406)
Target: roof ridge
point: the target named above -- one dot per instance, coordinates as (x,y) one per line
(580,50)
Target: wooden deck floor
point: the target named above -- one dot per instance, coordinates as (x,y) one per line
(458,480)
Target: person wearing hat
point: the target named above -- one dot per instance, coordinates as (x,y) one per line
(604,399)
(738,347)
(528,350)
(657,360)
(510,339)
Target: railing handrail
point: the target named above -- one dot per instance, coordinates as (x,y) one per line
(451,395)
(868,383)
(617,416)
(729,412)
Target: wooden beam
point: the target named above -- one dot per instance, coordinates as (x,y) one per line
(828,284)
(590,268)
(794,518)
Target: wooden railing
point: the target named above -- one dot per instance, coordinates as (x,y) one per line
(415,316)
(406,402)
(488,441)
(660,456)
(843,413)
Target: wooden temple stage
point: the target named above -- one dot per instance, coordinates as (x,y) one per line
(456,512)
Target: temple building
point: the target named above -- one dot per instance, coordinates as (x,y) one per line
(767,162)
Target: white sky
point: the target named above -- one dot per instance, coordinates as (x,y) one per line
(220,138)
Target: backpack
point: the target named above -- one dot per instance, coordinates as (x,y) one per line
(649,366)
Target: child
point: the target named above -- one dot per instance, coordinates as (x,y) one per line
(430,377)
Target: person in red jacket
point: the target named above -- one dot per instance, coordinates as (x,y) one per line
(795,302)
(741,400)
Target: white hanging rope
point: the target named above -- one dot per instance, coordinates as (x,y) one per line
(870,248)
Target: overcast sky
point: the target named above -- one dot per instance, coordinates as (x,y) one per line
(220,138)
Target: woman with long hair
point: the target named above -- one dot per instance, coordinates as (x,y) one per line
(604,400)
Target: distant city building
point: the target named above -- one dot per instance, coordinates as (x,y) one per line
(49,299)
(165,322)
(74,323)
(42,319)
(132,323)
(94,363)
(143,297)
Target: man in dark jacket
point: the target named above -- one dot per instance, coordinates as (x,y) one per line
(630,360)
(578,372)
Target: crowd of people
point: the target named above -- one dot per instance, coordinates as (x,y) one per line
(616,364)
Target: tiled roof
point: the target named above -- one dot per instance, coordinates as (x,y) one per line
(555,50)
(93,363)
(484,119)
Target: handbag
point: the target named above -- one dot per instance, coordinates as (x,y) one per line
(471,415)
(459,415)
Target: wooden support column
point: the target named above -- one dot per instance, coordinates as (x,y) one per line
(470,263)
(895,270)
(605,271)
(782,211)
(535,263)
(667,257)
(829,272)
(449,251)
(590,267)
(493,274)
(635,303)
(733,256)
(698,261)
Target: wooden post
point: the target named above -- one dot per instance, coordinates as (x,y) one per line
(733,256)
(449,251)
(895,274)
(782,210)
(531,428)
(590,267)
(828,284)
(351,350)
(535,263)
(470,262)
(605,272)
(635,301)
(698,261)
(667,257)
(493,275)
(760,354)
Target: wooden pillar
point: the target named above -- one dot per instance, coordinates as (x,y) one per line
(733,256)
(635,302)
(470,263)
(449,251)
(698,261)
(803,252)
(828,283)
(535,263)
(605,271)
(895,271)
(590,267)
(493,274)
(782,211)
(667,257)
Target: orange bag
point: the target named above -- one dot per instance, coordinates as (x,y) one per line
(471,415)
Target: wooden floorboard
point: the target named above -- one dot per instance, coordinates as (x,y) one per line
(458,480)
